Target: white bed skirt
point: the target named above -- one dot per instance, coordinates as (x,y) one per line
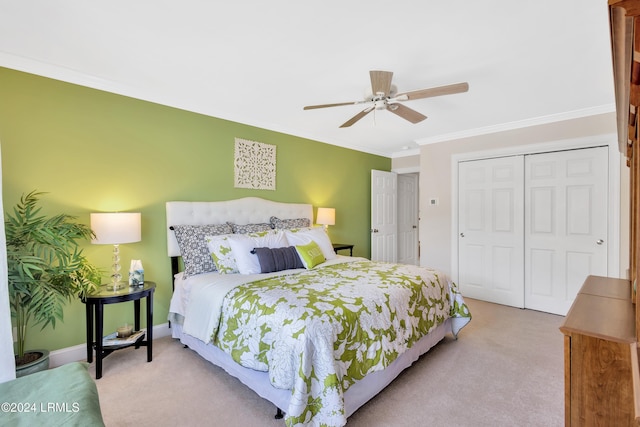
(356,396)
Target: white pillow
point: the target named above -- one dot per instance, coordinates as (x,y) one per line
(243,244)
(304,236)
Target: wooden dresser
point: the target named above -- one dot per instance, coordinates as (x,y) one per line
(600,335)
(602,328)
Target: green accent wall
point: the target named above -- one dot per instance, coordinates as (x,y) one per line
(94,151)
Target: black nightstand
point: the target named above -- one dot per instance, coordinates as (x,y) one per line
(95,309)
(340,246)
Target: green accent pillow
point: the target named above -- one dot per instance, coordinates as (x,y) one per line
(70,385)
(221,254)
(310,254)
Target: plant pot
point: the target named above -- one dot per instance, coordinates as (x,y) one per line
(37,365)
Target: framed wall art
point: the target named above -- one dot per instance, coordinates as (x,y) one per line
(254,165)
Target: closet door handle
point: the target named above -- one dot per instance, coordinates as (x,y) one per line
(461,234)
(599,241)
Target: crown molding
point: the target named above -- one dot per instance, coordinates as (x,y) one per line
(535,121)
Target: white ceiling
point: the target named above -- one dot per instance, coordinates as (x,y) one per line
(259,62)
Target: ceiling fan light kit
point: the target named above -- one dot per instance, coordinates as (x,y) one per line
(384,97)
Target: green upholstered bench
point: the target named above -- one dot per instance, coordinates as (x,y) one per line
(63,396)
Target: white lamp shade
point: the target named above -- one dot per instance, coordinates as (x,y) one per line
(115,228)
(326,216)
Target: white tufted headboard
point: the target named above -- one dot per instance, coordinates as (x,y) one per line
(248,210)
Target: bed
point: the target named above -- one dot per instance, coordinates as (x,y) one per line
(317,334)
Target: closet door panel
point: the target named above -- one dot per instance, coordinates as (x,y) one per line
(490,242)
(541,265)
(579,266)
(542,209)
(566,196)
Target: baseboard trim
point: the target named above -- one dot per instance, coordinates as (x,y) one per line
(78,353)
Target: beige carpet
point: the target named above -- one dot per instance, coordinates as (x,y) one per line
(505,369)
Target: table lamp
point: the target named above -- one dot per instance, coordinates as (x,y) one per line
(326,217)
(115,229)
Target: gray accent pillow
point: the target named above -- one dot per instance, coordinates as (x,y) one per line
(250,228)
(278,259)
(288,224)
(193,247)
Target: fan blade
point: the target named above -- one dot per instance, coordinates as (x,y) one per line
(434,91)
(313,107)
(357,117)
(381,82)
(406,113)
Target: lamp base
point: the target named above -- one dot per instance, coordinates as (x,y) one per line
(116,277)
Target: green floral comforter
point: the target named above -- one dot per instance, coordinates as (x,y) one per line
(316,332)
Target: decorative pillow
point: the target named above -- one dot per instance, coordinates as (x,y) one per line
(316,234)
(286,224)
(251,228)
(221,254)
(243,244)
(193,249)
(310,254)
(278,259)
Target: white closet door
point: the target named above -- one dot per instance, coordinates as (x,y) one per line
(566,195)
(491,230)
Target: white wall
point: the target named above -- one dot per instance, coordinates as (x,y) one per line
(406,164)
(436,232)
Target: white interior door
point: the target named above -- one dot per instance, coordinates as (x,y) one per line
(491,230)
(7,360)
(566,224)
(384,216)
(408,219)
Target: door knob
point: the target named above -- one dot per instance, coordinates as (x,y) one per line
(599,241)
(374,230)
(461,234)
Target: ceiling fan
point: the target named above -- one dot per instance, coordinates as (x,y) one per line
(385,97)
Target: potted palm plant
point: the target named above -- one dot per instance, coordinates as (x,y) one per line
(46,268)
